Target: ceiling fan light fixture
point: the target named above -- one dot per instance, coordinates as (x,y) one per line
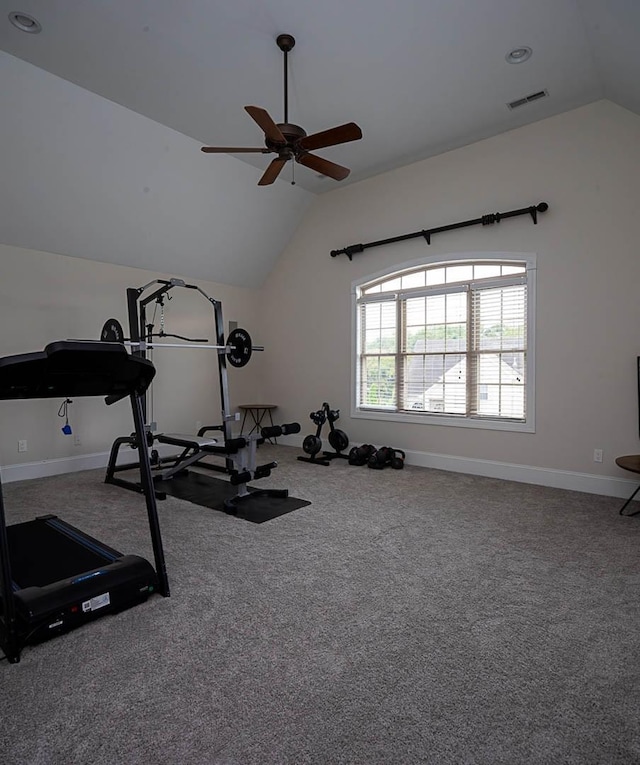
(519,55)
(291,142)
(25,23)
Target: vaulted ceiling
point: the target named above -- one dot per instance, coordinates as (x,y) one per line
(106,108)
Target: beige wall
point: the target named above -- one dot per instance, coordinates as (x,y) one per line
(586,165)
(46,297)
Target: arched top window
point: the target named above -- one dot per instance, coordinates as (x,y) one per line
(447,342)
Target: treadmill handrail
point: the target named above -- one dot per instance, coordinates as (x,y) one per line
(77,368)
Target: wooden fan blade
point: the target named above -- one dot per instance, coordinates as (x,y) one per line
(266,124)
(233,150)
(320,165)
(331,137)
(273,171)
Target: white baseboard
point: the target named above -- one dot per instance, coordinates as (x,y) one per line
(44,468)
(609,486)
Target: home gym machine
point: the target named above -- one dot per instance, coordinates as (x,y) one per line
(237,350)
(338,439)
(245,467)
(53,577)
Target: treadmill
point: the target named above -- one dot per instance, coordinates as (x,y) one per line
(53,576)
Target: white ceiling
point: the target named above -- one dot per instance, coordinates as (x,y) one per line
(418,76)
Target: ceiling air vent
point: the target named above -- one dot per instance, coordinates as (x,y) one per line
(527,99)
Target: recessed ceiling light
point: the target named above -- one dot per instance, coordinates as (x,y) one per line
(24,22)
(518,55)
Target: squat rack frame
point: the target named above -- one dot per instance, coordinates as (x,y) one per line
(141,332)
(141,338)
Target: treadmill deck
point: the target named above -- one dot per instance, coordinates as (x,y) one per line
(62,577)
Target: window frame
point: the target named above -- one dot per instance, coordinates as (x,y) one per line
(448,420)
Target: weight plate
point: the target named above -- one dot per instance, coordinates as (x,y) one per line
(339,440)
(112,331)
(240,347)
(311,445)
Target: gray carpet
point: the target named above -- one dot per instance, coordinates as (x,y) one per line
(412,616)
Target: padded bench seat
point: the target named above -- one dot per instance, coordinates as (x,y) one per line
(186,441)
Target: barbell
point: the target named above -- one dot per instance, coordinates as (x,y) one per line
(239,347)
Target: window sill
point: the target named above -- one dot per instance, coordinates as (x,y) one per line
(446,420)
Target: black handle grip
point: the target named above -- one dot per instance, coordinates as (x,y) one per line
(114,398)
(233,444)
(237,478)
(264,471)
(273,431)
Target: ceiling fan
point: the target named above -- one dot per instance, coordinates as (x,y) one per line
(290,141)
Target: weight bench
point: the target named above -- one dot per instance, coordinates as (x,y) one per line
(194,448)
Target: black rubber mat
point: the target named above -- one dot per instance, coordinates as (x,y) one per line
(212,492)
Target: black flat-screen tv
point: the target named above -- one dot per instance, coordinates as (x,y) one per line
(638,365)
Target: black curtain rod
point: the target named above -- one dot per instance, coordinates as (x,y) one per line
(485,220)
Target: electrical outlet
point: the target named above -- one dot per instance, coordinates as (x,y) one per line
(76,440)
(22,446)
(597,455)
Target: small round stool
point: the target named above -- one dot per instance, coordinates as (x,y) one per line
(258,413)
(629,462)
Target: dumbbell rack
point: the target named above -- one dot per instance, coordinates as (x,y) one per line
(312,444)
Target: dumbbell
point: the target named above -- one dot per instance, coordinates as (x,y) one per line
(360,455)
(381,458)
(387,456)
(332,414)
(319,417)
(397,462)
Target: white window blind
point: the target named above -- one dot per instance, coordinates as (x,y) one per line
(379,338)
(497,359)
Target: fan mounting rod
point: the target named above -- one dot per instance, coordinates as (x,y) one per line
(285,43)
